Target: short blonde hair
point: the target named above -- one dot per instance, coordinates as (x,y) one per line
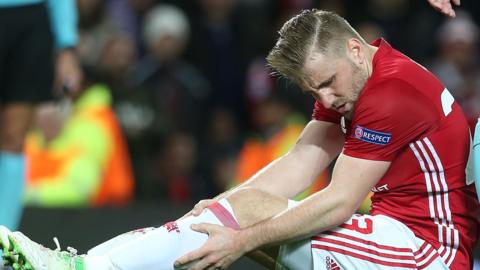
(311,30)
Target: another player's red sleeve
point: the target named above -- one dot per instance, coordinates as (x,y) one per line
(323,114)
(387,118)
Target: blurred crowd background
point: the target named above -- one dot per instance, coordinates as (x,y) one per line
(178,102)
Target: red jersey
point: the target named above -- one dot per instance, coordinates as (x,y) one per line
(406,116)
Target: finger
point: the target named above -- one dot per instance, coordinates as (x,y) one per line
(209,262)
(206,228)
(77,84)
(443,6)
(448,10)
(436,4)
(220,265)
(191,256)
(201,227)
(198,209)
(74,81)
(202,264)
(456,2)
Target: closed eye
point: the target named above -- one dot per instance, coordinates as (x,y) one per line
(326,83)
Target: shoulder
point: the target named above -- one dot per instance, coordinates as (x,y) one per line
(392,96)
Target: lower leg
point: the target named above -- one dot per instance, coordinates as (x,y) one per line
(15,120)
(154,248)
(158,248)
(252,206)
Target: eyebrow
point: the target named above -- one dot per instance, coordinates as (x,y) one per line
(327,82)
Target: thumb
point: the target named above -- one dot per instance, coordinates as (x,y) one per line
(203,227)
(200,227)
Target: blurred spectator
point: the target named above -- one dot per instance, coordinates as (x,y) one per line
(114,64)
(219,50)
(95,29)
(78,158)
(127,16)
(167,94)
(176,178)
(219,151)
(457,63)
(37,37)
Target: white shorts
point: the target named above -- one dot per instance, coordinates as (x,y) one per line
(363,242)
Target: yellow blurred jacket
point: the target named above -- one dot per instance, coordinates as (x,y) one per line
(256,154)
(86,164)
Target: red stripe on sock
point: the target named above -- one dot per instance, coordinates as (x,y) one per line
(224,216)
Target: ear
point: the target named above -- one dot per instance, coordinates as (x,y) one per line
(356,51)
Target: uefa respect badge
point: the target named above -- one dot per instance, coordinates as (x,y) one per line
(372,136)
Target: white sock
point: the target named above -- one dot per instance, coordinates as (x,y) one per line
(98,263)
(158,248)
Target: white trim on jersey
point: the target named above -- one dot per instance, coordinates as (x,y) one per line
(438,201)
(425,255)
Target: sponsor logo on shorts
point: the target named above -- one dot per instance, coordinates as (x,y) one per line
(172,226)
(331,264)
(372,136)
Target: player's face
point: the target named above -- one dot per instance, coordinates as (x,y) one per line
(335,83)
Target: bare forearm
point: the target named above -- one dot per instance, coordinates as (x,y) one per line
(286,176)
(317,146)
(324,210)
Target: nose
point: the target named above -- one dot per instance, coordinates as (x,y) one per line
(326,99)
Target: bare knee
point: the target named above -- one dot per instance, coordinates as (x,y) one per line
(252,205)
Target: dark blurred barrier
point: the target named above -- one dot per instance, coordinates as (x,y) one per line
(85,228)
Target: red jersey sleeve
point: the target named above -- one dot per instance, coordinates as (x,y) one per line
(387,118)
(324,114)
